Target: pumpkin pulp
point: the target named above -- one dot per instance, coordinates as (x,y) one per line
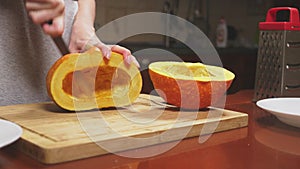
(91,82)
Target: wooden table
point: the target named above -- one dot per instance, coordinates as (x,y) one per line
(265,144)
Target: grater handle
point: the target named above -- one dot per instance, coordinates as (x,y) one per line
(294,14)
(270,24)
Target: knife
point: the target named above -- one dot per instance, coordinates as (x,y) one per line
(59,42)
(61,45)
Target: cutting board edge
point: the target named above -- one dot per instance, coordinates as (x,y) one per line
(51,155)
(58,154)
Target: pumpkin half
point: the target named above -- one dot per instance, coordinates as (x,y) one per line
(190,85)
(85,81)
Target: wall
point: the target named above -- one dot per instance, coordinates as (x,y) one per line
(109,10)
(244,15)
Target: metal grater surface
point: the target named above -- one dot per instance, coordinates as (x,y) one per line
(269,68)
(278,59)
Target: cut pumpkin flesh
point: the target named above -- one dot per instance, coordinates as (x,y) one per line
(85,81)
(190,85)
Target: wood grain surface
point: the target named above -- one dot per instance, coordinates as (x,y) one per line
(51,135)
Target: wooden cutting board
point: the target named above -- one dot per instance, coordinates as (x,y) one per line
(52,135)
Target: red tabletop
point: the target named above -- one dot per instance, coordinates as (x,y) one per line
(266,143)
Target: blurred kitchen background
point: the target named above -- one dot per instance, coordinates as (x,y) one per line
(241,16)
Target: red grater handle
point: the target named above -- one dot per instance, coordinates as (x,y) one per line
(272,24)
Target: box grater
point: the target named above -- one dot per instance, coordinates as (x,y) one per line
(278,61)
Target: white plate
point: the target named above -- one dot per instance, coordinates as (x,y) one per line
(9,132)
(286,110)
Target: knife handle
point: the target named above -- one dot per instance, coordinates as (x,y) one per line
(59,42)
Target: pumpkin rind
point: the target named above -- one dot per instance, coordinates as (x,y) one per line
(189,91)
(85,81)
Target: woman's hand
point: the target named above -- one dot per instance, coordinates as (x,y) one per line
(45,11)
(83,34)
(128,57)
(83,37)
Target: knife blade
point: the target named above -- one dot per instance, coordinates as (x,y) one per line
(61,45)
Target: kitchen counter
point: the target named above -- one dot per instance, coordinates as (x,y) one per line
(266,143)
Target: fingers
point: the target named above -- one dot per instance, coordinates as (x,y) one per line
(56,28)
(42,16)
(106,50)
(128,57)
(43,11)
(132,59)
(78,44)
(122,50)
(34,6)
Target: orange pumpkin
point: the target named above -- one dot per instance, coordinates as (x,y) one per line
(190,85)
(85,81)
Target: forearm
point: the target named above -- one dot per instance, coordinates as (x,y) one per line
(86,12)
(83,27)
